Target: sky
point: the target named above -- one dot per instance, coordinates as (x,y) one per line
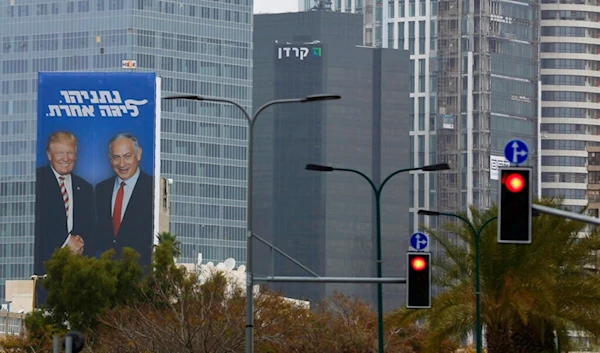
(275,6)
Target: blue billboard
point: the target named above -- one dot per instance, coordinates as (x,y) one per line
(97,159)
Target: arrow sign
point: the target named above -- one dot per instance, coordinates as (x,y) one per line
(516,151)
(419,241)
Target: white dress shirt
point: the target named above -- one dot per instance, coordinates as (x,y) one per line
(69,186)
(127,191)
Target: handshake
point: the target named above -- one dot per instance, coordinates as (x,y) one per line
(75,243)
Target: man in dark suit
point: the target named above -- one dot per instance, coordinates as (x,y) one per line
(125,202)
(64,202)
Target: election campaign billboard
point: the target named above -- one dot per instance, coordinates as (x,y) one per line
(97,159)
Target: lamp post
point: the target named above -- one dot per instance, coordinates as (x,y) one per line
(477,235)
(35,278)
(377,191)
(251,120)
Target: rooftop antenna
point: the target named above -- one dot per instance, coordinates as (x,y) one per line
(322,5)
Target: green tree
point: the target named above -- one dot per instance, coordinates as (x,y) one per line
(166,278)
(168,237)
(527,291)
(80,288)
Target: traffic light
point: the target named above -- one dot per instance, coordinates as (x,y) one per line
(418,281)
(514,206)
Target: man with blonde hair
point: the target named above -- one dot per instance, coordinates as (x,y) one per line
(64,202)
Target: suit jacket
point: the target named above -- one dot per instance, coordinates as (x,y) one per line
(137,224)
(51,218)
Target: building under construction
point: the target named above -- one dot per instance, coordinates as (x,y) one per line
(488,94)
(373,13)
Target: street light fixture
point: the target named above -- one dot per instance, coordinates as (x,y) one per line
(251,120)
(319,168)
(307,99)
(477,235)
(377,191)
(435,167)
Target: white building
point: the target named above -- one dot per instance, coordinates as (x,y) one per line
(570,73)
(236,277)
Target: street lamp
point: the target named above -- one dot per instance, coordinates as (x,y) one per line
(377,190)
(477,235)
(35,278)
(251,120)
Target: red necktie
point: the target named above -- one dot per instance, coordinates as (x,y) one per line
(118,208)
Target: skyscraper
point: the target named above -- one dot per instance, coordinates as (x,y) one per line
(327,221)
(571,97)
(197,47)
(445,76)
(410,26)
(488,94)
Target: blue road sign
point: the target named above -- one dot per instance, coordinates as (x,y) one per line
(419,241)
(516,151)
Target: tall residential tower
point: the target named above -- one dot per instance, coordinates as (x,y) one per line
(571,97)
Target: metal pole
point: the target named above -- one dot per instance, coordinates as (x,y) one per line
(477,236)
(329,279)
(478,327)
(377,191)
(249,330)
(249,195)
(249,264)
(379,272)
(282,253)
(566,214)
(68,344)
(56,344)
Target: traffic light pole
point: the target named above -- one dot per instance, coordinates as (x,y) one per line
(377,190)
(477,236)
(566,214)
(329,279)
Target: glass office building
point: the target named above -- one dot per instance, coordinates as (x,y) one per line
(488,94)
(196,46)
(373,13)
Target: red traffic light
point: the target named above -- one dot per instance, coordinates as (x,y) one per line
(514,182)
(418,263)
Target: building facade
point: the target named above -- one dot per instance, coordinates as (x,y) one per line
(412,26)
(571,97)
(373,13)
(327,220)
(197,47)
(593,185)
(488,94)
(407,25)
